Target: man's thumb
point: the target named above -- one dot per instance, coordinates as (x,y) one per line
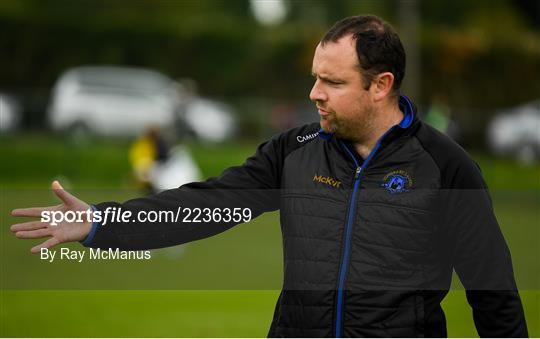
(61,193)
(56,185)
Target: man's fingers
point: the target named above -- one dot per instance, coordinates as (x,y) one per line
(62,193)
(29,226)
(33,211)
(41,233)
(46,244)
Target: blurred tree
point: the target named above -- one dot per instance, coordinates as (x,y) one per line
(530,10)
(490,61)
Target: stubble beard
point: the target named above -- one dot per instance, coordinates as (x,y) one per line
(329,124)
(355,129)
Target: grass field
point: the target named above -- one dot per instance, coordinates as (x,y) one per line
(199,289)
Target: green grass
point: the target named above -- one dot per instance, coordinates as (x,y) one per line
(136,313)
(198,313)
(506,173)
(34,160)
(209,292)
(459,315)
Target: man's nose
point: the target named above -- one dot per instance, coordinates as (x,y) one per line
(317,94)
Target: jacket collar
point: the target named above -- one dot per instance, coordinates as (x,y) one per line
(409,111)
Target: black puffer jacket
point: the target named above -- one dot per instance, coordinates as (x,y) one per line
(369,244)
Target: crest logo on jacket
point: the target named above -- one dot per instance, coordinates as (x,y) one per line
(397,181)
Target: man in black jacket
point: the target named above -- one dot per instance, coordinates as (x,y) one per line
(376,208)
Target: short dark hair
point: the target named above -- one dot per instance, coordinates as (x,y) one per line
(378,46)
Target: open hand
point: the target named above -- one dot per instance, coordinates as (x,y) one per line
(60,233)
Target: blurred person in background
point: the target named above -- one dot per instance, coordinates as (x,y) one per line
(147,152)
(439,116)
(377,208)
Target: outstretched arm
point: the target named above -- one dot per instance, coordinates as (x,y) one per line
(253,186)
(245,189)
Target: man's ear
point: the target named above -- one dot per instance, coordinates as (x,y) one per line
(381,86)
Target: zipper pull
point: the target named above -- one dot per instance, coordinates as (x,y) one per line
(357,173)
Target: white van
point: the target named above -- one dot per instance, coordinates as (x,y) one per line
(113,101)
(516,131)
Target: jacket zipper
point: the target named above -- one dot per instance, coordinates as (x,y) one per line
(348,228)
